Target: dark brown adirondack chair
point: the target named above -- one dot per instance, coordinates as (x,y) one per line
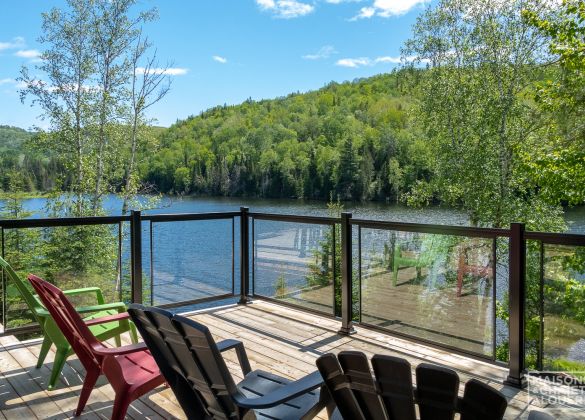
(192,364)
(390,393)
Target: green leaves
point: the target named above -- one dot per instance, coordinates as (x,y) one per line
(344,138)
(482,56)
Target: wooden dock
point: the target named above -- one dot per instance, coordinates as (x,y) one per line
(278,339)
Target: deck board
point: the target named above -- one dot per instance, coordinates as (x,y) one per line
(278,339)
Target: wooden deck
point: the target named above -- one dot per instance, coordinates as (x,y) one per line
(278,339)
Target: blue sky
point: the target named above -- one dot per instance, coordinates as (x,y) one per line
(225,51)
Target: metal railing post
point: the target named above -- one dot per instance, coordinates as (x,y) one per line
(346,276)
(517,284)
(244,256)
(136,255)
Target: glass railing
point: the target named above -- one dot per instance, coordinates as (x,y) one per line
(293,261)
(189,261)
(503,295)
(555,304)
(439,288)
(71,254)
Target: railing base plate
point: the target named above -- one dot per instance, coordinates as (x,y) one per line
(519,383)
(346,331)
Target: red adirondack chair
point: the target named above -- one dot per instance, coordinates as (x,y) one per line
(131,370)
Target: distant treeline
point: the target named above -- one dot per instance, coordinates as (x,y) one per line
(21,168)
(351,140)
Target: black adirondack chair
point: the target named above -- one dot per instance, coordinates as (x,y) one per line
(192,364)
(390,393)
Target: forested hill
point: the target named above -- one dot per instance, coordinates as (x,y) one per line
(351,140)
(22,169)
(12,138)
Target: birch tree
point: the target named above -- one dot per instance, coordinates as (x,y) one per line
(150,84)
(474,107)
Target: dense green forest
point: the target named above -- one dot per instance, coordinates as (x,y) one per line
(23,169)
(12,138)
(351,139)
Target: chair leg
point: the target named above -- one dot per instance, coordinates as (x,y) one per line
(118,340)
(45,347)
(58,363)
(91,378)
(121,404)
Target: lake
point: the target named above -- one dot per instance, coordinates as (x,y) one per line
(575,217)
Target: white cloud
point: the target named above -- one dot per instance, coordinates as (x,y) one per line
(354,62)
(7,81)
(365,13)
(266,4)
(285,9)
(171,71)
(387,59)
(17,42)
(387,8)
(28,53)
(219,59)
(342,1)
(324,52)
(366,61)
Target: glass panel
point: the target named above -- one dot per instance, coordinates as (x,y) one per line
(502,350)
(564,308)
(293,263)
(434,287)
(191,260)
(69,257)
(532,306)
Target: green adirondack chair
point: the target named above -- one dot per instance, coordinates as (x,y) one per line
(52,334)
(424,258)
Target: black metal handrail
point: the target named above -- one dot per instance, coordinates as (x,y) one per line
(179,217)
(316,220)
(572,239)
(476,232)
(61,222)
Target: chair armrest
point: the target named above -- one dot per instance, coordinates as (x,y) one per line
(282,394)
(102,307)
(120,351)
(42,312)
(80,291)
(109,318)
(238,346)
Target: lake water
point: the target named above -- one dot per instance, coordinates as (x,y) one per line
(575,217)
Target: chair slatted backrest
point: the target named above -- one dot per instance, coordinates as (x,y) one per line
(68,320)
(187,354)
(481,402)
(156,328)
(394,378)
(437,391)
(25,292)
(391,395)
(348,383)
(357,370)
(209,374)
